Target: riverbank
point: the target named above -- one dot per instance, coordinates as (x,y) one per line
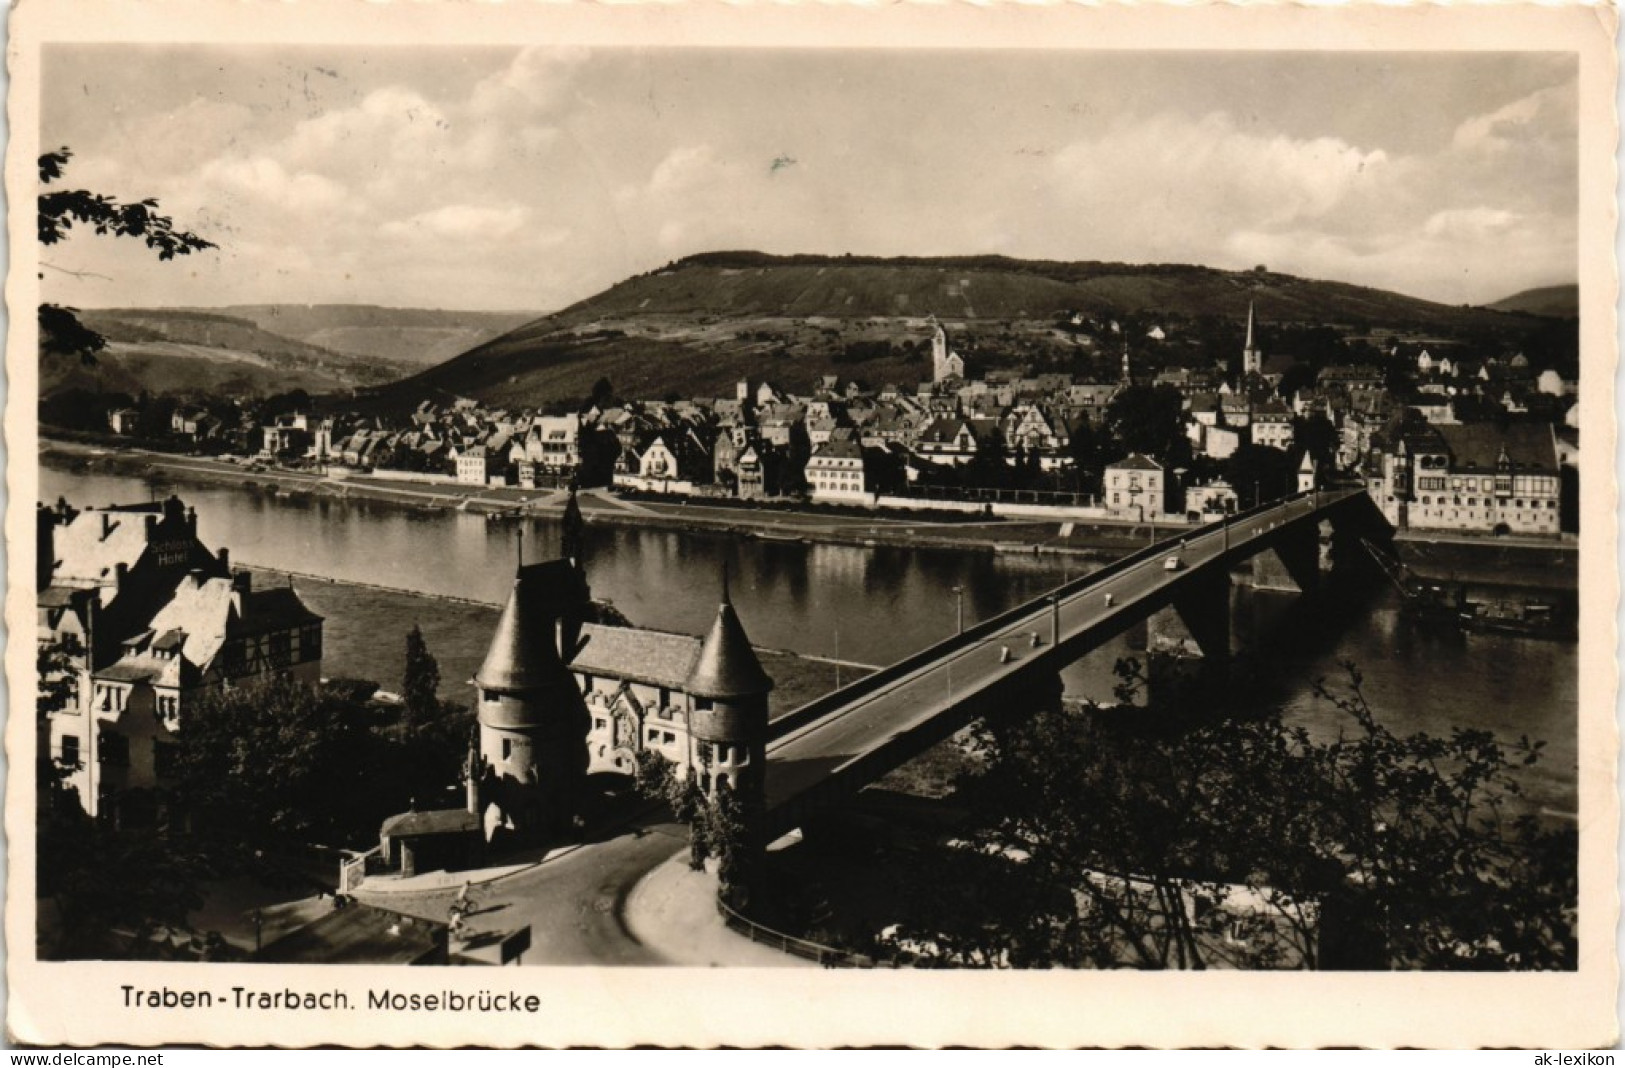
(1513,562)
(1092,541)
(364,637)
(1464,559)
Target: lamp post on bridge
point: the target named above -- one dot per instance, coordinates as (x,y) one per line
(959,608)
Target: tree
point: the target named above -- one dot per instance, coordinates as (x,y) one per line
(1171,838)
(1315,435)
(273,760)
(658,782)
(61,210)
(420,683)
(1258,470)
(1149,420)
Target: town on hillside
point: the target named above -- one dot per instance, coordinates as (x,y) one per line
(1448,434)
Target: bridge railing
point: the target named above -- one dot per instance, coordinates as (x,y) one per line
(828,956)
(878,680)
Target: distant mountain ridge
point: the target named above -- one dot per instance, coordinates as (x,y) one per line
(696,326)
(258,349)
(195,352)
(411,337)
(1560,302)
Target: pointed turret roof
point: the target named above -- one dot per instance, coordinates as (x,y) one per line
(1249,345)
(727,665)
(523,655)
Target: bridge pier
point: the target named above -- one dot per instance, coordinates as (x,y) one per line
(1292,564)
(1197,624)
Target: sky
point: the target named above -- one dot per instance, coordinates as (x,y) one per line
(525,180)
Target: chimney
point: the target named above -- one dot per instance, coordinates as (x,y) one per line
(196,575)
(241,581)
(225,559)
(191,522)
(121,571)
(152,525)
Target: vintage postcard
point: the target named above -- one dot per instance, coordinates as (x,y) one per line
(811,525)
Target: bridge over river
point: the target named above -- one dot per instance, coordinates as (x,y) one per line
(840,743)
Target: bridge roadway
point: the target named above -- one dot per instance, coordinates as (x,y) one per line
(846,735)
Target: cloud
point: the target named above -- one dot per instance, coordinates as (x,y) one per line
(538,82)
(266,181)
(461,222)
(1469,224)
(1543,117)
(1173,171)
(610,163)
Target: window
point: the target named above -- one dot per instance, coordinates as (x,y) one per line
(69,757)
(507,748)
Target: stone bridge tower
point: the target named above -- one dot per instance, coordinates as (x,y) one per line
(729,727)
(532,719)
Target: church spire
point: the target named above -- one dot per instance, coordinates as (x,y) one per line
(1252,360)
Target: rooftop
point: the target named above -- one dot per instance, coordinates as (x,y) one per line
(651,656)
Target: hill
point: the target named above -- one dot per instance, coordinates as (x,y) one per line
(188,352)
(1558,302)
(410,337)
(695,327)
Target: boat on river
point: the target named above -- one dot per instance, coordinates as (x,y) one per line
(1449,605)
(1526,616)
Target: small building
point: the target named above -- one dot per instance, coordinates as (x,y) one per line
(441,840)
(476,465)
(837,473)
(1210,500)
(1136,487)
(751,471)
(1272,425)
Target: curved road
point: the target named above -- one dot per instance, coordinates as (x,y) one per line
(574,903)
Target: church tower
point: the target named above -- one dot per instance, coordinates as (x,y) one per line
(729,726)
(533,722)
(945,363)
(1252,359)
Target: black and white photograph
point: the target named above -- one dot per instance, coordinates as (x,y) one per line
(830,509)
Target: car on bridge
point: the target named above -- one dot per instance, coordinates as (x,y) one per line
(1173,563)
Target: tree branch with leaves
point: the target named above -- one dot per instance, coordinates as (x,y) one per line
(61,211)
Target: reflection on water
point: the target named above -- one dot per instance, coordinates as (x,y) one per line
(877,605)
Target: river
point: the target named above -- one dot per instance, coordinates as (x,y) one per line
(868,605)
